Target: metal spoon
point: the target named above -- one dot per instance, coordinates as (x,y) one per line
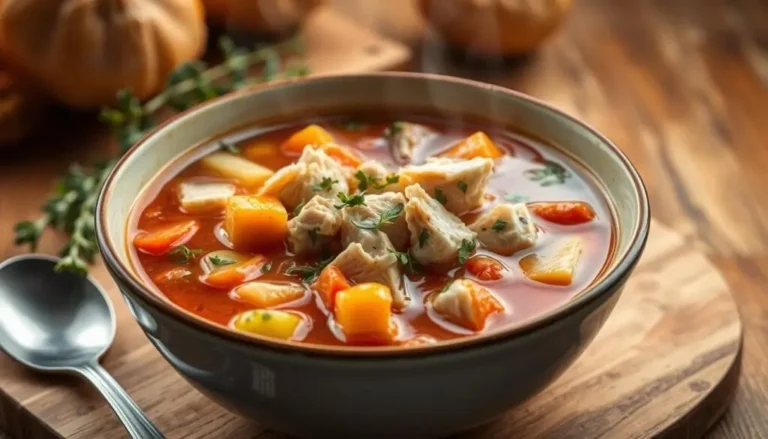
(61,322)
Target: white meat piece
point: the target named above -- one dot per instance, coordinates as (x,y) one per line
(436,234)
(376,205)
(314,227)
(204,196)
(298,183)
(375,171)
(403,139)
(466,303)
(461,183)
(506,229)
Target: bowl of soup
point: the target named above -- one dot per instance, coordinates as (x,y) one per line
(376,255)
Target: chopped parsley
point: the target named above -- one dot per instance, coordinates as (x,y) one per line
(353,125)
(405,258)
(523,220)
(313,235)
(183,254)
(228,147)
(219,261)
(308,273)
(499,225)
(423,237)
(551,174)
(466,249)
(440,196)
(355,200)
(266,267)
(366,181)
(386,217)
(462,186)
(324,186)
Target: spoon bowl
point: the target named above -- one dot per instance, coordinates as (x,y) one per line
(62,322)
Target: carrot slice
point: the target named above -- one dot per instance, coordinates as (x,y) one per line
(476,145)
(567,214)
(164,239)
(343,155)
(485,268)
(330,282)
(230,276)
(313,135)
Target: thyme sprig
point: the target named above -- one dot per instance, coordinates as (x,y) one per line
(71,207)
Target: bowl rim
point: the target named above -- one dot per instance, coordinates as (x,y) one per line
(607,284)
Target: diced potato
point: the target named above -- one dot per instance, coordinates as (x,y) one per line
(269,323)
(311,135)
(476,145)
(227,269)
(269,294)
(164,239)
(255,221)
(244,171)
(557,269)
(329,283)
(364,313)
(204,196)
(466,304)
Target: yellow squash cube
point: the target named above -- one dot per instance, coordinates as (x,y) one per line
(255,221)
(364,313)
(269,323)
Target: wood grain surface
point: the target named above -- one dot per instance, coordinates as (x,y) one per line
(680,85)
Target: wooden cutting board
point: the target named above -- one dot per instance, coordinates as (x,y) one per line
(665,364)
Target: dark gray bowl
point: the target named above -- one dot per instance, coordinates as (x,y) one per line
(319,391)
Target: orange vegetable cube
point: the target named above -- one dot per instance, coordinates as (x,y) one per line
(164,239)
(476,145)
(268,294)
(343,155)
(329,283)
(485,268)
(311,135)
(364,313)
(556,269)
(266,154)
(255,221)
(231,275)
(467,304)
(567,214)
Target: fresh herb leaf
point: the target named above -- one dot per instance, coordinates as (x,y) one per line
(353,125)
(313,235)
(265,316)
(440,196)
(387,217)
(462,186)
(324,186)
(391,179)
(219,261)
(308,273)
(551,174)
(423,237)
(515,198)
(366,181)
(362,186)
(183,254)
(406,259)
(499,225)
(523,220)
(466,249)
(266,267)
(347,201)
(228,147)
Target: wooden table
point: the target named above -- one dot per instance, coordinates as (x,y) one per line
(680,85)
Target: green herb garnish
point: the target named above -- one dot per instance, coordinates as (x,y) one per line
(313,235)
(406,259)
(366,181)
(325,186)
(462,186)
(387,217)
(183,254)
(308,273)
(266,267)
(423,237)
(265,316)
(440,196)
(219,261)
(355,200)
(228,147)
(499,225)
(353,125)
(466,249)
(551,174)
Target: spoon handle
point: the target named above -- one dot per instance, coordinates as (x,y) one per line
(134,420)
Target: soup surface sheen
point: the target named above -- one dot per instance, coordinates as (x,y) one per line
(526,173)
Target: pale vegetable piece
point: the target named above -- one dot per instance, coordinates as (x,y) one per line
(359,266)
(436,234)
(364,313)
(83,52)
(386,213)
(253,221)
(458,184)
(282,325)
(466,304)
(378,179)
(315,173)
(314,227)
(242,170)
(204,196)
(557,269)
(269,294)
(404,137)
(506,229)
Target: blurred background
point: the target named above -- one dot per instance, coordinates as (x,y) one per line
(680,85)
